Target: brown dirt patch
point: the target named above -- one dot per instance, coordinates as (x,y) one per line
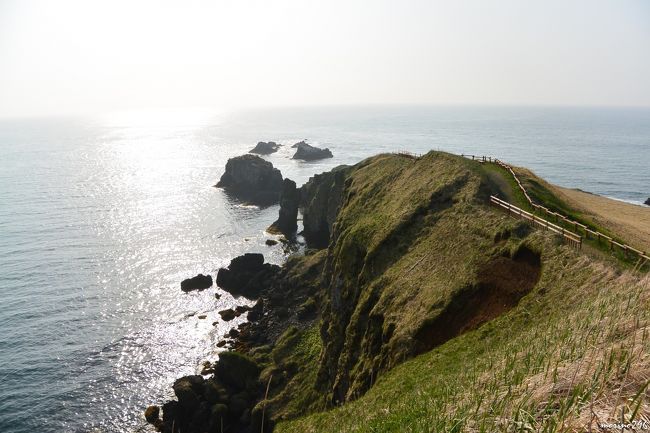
(502,282)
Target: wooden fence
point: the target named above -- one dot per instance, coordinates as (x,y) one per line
(408,154)
(573,239)
(600,237)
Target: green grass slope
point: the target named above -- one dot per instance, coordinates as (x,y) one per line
(441,313)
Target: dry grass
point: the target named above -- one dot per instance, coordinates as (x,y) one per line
(631,222)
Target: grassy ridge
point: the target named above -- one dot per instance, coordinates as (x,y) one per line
(403,221)
(415,241)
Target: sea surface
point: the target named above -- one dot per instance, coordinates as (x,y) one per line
(101,218)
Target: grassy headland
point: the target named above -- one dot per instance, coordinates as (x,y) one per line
(441,313)
(422,308)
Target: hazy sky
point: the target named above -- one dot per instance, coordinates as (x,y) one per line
(82,56)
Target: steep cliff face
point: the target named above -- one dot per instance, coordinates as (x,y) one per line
(320,199)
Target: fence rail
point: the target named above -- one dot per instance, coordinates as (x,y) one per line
(626,249)
(408,154)
(573,239)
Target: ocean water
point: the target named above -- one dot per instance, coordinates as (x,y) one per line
(101,218)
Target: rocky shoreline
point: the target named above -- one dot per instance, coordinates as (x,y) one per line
(229,395)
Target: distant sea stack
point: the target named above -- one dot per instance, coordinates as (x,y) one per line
(250,178)
(265,148)
(307,152)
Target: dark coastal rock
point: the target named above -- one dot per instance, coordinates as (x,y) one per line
(265,148)
(237,371)
(246,275)
(271,242)
(307,152)
(255,313)
(250,178)
(320,199)
(647,202)
(241,309)
(227,315)
(223,402)
(188,390)
(151,414)
(215,392)
(199,282)
(288,215)
(249,262)
(207,368)
(170,411)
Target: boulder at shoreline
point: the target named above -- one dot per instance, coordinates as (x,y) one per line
(246,275)
(647,202)
(199,282)
(265,148)
(222,402)
(227,315)
(307,152)
(250,178)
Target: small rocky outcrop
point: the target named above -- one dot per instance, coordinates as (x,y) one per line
(199,282)
(307,152)
(227,315)
(223,402)
(288,216)
(265,148)
(152,414)
(647,202)
(241,309)
(247,275)
(252,179)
